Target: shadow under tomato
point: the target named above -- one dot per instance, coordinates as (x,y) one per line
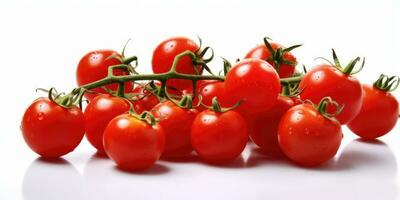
(374,141)
(99,155)
(56,161)
(238,163)
(190,158)
(258,157)
(357,154)
(52,179)
(156,169)
(363,153)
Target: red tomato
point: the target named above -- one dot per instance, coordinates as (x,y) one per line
(211,90)
(307,137)
(263,127)
(201,84)
(262,52)
(326,80)
(133,144)
(255,83)
(51,130)
(378,115)
(164,55)
(176,123)
(147,99)
(99,112)
(94,66)
(219,137)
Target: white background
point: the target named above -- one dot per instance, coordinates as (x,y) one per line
(42,41)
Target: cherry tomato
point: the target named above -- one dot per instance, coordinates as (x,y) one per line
(284,69)
(94,66)
(263,127)
(378,114)
(307,137)
(164,55)
(211,90)
(99,112)
(176,123)
(201,84)
(255,83)
(326,80)
(147,99)
(219,137)
(133,144)
(51,130)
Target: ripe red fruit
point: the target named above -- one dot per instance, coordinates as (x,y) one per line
(219,137)
(133,144)
(255,83)
(51,130)
(379,112)
(94,66)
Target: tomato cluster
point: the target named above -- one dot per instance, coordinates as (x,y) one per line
(136,119)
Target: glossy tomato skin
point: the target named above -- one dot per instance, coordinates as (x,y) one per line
(201,84)
(328,81)
(255,83)
(378,114)
(263,127)
(211,90)
(164,55)
(219,137)
(98,113)
(147,99)
(308,138)
(132,143)
(176,123)
(94,66)
(262,52)
(51,130)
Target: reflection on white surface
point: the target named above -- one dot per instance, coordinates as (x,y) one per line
(372,170)
(51,180)
(362,171)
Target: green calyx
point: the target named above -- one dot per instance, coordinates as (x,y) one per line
(186,102)
(147,117)
(290,90)
(69,100)
(349,69)
(216,106)
(386,83)
(277,56)
(324,103)
(199,60)
(126,60)
(227,66)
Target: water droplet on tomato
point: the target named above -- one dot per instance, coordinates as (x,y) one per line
(40,116)
(290,131)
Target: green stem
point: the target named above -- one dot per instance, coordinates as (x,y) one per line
(160,77)
(286,89)
(215,105)
(287,81)
(180,56)
(121,89)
